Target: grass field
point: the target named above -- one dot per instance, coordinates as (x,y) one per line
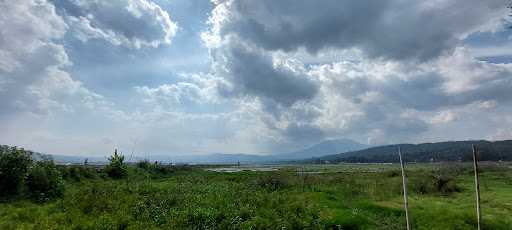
(346,196)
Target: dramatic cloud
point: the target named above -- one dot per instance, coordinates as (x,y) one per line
(453,80)
(33,65)
(132,23)
(26,27)
(402,64)
(251,76)
(391,29)
(387,100)
(251,72)
(45,107)
(35,83)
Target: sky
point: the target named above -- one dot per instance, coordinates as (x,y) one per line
(179,77)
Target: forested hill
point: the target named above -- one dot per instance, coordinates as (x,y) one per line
(441,151)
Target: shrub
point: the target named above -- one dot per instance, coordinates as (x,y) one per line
(144,164)
(44,181)
(445,184)
(433,183)
(117,169)
(272,182)
(162,169)
(14,165)
(393,173)
(155,168)
(78,173)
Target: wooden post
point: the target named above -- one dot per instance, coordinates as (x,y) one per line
(303,168)
(477,186)
(404,184)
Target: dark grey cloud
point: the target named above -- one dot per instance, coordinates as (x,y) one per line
(389,119)
(402,77)
(252,72)
(422,91)
(249,73)
(390,29)
(303,133)
(497,90)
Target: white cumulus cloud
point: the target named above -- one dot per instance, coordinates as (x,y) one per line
(131,23)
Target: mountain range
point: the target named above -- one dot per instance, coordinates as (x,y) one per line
(321,149)
(426,152)
(333,151)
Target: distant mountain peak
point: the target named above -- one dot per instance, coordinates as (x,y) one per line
(326,147)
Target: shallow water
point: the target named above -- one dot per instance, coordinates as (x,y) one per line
(241,169)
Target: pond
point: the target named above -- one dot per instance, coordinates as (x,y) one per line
(234,169)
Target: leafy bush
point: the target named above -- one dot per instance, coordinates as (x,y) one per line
(144,164)
(434,183)
(14,165)
(163,169)
(393,173)
(78,173)
(44,181)
(156,168)
(117,169)
(445,184)
(272,182)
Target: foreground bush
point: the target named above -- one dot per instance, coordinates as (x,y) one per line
(44,181)
(117,169)
(78,172)
(435,183)
(156,168)
(144,164)
(14,165)
(272,182)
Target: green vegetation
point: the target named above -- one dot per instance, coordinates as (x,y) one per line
(117,169)
(155,168)
(14,165)
(44,181)
(20,176)
(347,196)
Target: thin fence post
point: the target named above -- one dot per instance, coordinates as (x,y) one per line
(303,177)
(404,184)
(477,186)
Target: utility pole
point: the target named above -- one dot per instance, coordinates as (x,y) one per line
(404,184)
(477,186)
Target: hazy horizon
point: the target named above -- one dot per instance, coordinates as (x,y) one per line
(148,155)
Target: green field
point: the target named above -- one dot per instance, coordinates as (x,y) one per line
(345,196)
